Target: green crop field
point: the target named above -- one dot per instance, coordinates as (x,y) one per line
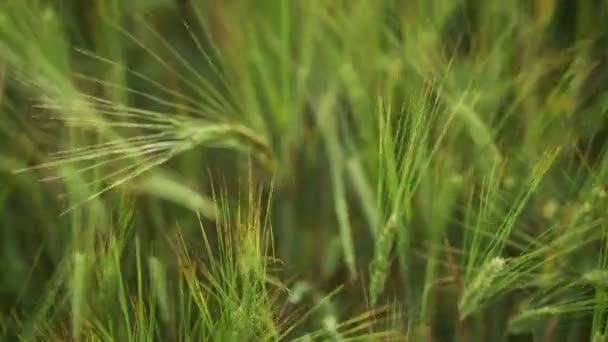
(304,170)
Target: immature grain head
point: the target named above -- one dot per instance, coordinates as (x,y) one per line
(154,139)
(480,287)
(525,320)
(380,264)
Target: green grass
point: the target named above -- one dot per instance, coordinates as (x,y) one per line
(298,170)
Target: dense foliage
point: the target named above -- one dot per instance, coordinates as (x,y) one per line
(249,170)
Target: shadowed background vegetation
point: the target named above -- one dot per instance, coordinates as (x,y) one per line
(430,170)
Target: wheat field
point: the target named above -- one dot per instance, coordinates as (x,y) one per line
(304,170)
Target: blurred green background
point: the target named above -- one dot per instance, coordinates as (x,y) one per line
(388,149)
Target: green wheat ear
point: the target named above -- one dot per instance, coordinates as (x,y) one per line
(130,141)
(481,286)
(131,157)
(160,135)
(379,267)
(528,318)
